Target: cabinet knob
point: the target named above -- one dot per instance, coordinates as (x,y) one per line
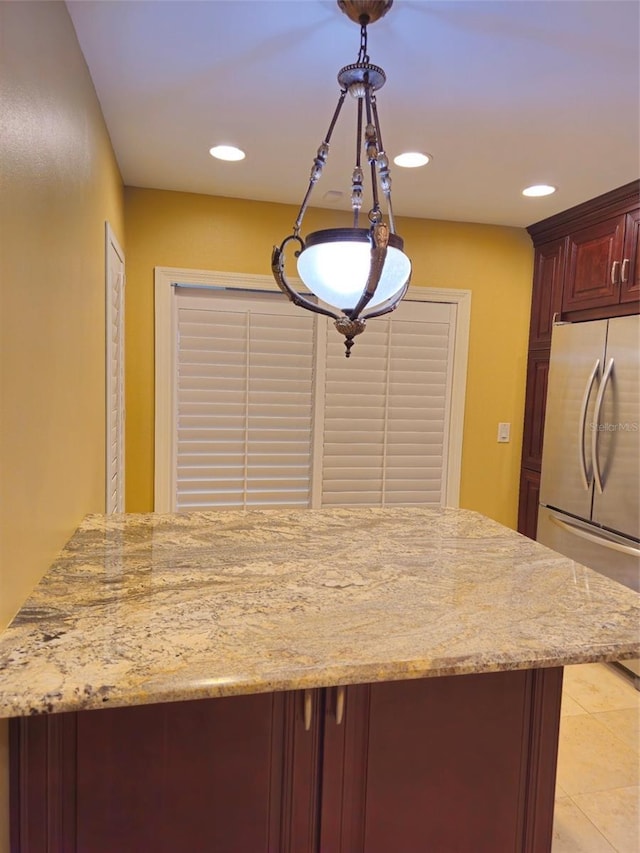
(615,267)
(624,274)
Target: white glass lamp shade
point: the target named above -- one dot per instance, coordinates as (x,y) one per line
(335,267)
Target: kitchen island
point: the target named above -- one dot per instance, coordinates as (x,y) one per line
(295,680)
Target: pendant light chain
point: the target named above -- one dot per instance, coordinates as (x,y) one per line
(363,56)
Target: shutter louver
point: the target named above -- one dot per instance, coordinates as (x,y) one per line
(244,402)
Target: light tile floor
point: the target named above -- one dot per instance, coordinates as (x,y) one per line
(598,783)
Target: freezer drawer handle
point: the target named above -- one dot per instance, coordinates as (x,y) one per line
(582,422)
(584,534)
(597,476)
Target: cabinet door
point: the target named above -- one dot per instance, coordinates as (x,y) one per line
(630,271)
(458,763)
(225,775)
(548,274)
(594,265)
(528,504)
(534,409)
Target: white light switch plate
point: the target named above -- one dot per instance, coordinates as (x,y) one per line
(504,431)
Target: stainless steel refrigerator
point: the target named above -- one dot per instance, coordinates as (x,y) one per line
(590,484)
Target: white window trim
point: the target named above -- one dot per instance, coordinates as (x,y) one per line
(112,355)
(165,391)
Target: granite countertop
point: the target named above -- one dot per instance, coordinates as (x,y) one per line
(154,608)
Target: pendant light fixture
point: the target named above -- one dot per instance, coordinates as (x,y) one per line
(358,272)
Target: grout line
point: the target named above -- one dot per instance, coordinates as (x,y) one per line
(573,699)
(597,829)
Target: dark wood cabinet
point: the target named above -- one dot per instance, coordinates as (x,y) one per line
(586,267)
(536,397)
(630,269)
(419,758)
(594,265)
(547,292)
(451,763)
(216,775)
(529,501)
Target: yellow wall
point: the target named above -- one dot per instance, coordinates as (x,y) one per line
(60,183)
(202,232)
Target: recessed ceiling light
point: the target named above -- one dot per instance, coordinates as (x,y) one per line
(412,159)
(227,152)
(538,190)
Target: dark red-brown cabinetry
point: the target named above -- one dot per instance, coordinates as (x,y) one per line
(594,265)
(453,763)
(195,776)
(630,268)
(536,395)
(548,276)
(586,267)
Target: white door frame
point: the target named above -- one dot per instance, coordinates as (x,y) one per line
(114,358)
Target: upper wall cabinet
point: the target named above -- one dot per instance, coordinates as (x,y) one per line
(630,268)
(548,276)
(586,264)
(595,259)
(602,264)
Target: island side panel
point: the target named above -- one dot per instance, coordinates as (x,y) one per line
(455,763)
(43,771)
(540,768)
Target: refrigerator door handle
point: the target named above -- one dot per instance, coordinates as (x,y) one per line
(582,422)
(597,476)
(590,537)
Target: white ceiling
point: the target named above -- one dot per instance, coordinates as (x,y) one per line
(502,94)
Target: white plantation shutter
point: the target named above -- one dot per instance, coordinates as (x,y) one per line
(244,401)
(256,404)
(386,409)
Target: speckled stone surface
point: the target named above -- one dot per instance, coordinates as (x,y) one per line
(153,608)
